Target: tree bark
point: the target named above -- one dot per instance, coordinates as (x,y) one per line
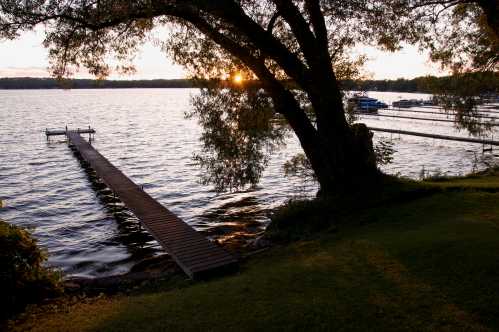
(491,10)
(345,159)
(342,157)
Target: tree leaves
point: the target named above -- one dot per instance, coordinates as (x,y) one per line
(239,134)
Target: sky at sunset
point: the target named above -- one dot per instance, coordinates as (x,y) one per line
(26,57)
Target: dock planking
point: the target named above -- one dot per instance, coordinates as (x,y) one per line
(483,141)
(195,254)
(64,131)
(492,124)
(442,112)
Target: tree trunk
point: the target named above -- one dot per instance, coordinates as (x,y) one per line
(347,160)
(344,162)
(341,156)
(491,10)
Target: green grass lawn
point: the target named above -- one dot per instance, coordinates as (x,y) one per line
(430,263)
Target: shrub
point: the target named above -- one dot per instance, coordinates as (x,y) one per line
(23,278)
(303,218)
(300,218)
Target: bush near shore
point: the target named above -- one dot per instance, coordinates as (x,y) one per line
(23,278)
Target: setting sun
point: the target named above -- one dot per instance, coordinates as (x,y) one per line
(238,78)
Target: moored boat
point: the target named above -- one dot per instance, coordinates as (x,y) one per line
(365,104)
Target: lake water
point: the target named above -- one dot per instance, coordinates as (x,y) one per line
(144,133)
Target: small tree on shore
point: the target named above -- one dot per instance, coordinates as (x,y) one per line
(23,278)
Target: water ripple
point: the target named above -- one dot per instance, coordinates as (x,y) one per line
(145,134)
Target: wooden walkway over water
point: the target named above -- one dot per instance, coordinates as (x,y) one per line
(483,141)
(492,124)
(196,255)
(443,112)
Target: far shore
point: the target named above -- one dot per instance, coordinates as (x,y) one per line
(414,85)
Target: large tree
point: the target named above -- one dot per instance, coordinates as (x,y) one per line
(296,49)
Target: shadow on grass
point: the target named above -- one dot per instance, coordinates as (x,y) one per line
(414,256)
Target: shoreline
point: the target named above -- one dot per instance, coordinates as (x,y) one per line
(384,265)
(158,268)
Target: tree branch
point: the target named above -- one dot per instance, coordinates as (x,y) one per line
(318,23)
(300,28)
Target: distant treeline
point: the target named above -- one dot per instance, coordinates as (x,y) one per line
(51,83)
(488,82)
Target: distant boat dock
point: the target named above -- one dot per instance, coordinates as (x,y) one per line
(492,124)
(195,254)
(483,141)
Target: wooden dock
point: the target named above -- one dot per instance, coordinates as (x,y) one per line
(483,108)
(194,253)
(436,136)
(49,133)
(448,114)
(493,124)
